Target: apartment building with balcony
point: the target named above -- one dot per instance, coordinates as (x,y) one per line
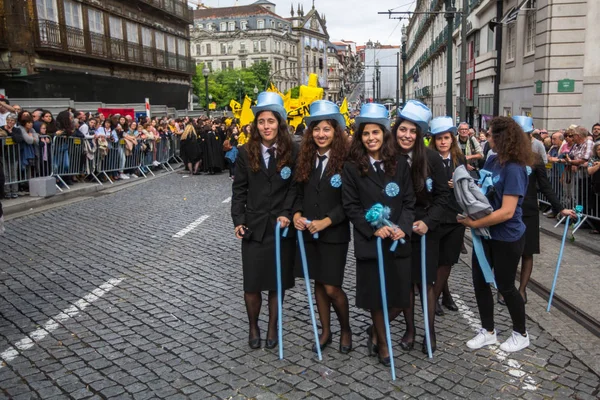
(239,36)
(89,50)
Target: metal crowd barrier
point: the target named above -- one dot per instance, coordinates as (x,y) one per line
(175,151)
(23,161)
(573,188)
(162,153)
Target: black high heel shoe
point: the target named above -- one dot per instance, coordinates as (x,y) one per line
(406,345)
(254,342)
(433,346)
(348,348)
(271,343)
(324,345)
(449,303)
(372,348)
(386,361)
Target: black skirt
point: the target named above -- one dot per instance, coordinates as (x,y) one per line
(190,150)
(397,279)
(326,262)
(451,238)
(532,234)
(432,245)
(259,264)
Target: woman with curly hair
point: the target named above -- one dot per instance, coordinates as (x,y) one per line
(264,194)
(374,175)
(318,209)
(430,185)
(509,179)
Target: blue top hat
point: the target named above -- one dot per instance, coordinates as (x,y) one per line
(442,125)
(526,123)
(270,101)
(417,113)
(325,109)
(373,113)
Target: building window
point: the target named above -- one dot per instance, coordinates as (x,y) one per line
(73,17)
(209,27)
(208,49)
(244,25)
(232,26)
(272,24)
(255,46)
(260,24)
(182,48)
(116,27)
(243,63)
(198,25)
(507,111)
(96,21)
(230,64)
(530,39)
(209,65)
(223,48)
(147,37)
(160,41)
(223,65)
(510,43)
(132,33)
(526,112)
(223,27)
(198,50)
(490,40)
(243,46)
(47,9)
(263,46)
(171,46)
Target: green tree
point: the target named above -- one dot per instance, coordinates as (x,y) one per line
(226,85)
(295,92)
(262,71)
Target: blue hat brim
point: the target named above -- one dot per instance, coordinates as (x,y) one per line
(358,121)
(336,116)
(423,126)
(273,108)
(451,129)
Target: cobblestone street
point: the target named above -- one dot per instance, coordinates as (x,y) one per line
(119,296)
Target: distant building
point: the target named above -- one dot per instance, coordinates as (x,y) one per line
(109,51)
(390,68)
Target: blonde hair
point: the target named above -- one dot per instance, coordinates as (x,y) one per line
(189,129)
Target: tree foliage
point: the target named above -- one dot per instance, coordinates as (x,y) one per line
(227,84)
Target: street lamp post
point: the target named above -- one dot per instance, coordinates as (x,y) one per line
(378,78)
(255,90)
(240,84)
(205,72)
(450,12)
(404,39)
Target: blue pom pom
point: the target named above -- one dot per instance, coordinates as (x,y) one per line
(392,189)
(528,169)
(286,172)
(429,184)
(336,181)
(496,178)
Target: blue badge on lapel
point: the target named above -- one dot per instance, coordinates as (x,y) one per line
(336,181)
(286,172)
(392,189)
(429,184)
(496,178)
(528,169)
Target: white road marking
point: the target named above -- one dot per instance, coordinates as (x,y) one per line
(53,323)
(190,227)
(515,367)
(227,200)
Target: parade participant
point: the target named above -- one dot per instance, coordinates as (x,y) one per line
(319,210)
(432,193)
(190,149)
(538,182)
(264,194)
(505,247)
(450,233)
(375,175)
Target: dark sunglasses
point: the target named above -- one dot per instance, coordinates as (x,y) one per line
(568,135)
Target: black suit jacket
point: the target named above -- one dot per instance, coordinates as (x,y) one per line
(360,193)
(318,199)
(538,181)
(260,197)
(430,207)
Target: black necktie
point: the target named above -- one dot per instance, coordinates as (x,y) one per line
(380,172)
(271,166)
(447,168)
(319,170)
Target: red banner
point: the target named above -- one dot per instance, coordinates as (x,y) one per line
(121,111)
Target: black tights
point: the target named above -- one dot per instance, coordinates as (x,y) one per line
(253,303)
(379,328)
(504,259)
(327,296)
(409,315)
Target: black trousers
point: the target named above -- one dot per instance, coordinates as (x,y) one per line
(503,258)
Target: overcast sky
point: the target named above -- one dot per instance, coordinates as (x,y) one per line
(358,21)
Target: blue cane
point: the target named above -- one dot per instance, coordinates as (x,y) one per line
(316,234)
(560,255)
(386,317)
(308,293)
(424,295)
(278,235)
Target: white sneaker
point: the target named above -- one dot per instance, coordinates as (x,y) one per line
(515,342)
(483,338)
(133,176)
(156,163)
(123,176)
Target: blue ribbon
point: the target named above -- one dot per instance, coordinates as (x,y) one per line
(278,235)
(483,261)
(579,209)
(386,318)
(316,234)
(308,293)
(378,216)
(424,294)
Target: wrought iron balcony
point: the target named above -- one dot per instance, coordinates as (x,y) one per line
(54,37)
(177,8)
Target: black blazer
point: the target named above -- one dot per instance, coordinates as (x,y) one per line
(259,197)
(538,181)
(359,193)
(452,209)
(318,199)
(430,207)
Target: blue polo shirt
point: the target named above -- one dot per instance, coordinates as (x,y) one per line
(509,179)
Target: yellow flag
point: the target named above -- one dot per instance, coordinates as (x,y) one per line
(287,101)
(236,108)
(344,111)
(274,89)
(246,115)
